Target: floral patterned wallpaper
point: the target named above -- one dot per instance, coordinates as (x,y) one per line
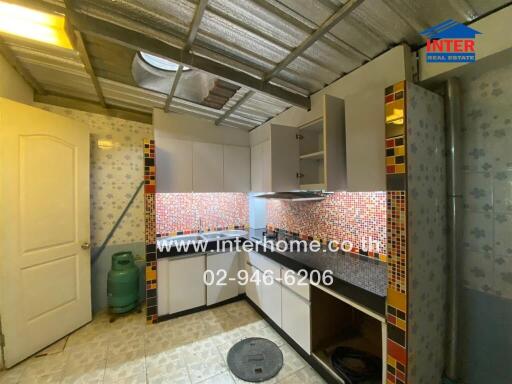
(342,216)
(115,174)
(206,211)
(487,138)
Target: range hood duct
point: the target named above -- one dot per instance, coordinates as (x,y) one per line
(295,196)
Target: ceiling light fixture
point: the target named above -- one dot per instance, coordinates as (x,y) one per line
(159,63)
(34,25)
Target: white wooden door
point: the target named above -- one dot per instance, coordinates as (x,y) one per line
(228,288)
(173,165)
(186,285)
(208,167)
(45,290)
(237,168)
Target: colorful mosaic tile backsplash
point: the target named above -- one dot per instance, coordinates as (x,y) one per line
(189,212)
(342,216)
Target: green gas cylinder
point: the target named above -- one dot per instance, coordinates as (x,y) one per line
(123,283)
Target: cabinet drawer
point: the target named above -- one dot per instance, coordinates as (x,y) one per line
(296,320)
(264,264)
(297,284)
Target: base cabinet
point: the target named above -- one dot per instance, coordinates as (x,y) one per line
(186,286)
(296,318)
(224,267)
(271,301)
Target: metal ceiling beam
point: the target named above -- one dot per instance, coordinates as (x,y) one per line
(196,21)
(84,55)
(194,27)
(89,106)
(326,26)
(141,42)
(11,58)
(237,105)
(174,86)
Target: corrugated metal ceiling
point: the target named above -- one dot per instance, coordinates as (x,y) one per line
(251,36)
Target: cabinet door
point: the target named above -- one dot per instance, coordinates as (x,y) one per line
(163,286)
(173,165)
(186,286)
(218,264)
(251,289)
(237,168)
(284,157)
(335,158)
(208,167)
(296,318)
(365,137)
(271,300)
(260,167)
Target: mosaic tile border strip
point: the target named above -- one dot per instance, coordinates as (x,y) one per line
(396,226)
(150,230)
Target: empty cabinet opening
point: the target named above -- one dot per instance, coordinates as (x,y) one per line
(311,149)
(334,324)
(312,141)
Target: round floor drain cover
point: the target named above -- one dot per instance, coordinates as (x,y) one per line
(255,359)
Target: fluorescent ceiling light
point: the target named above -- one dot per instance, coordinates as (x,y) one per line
(34,25)
(160,63)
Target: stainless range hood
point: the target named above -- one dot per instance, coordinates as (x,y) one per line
(295,196)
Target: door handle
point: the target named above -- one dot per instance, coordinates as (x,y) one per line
(85,245)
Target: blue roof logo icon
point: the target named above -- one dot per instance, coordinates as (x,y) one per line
(450,29)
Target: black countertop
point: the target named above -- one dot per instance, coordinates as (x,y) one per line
(356,277)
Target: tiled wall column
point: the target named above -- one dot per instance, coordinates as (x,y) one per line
(396,218)
(150,229)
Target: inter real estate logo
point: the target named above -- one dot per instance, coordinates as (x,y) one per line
(450,42)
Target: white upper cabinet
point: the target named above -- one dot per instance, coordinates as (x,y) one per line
(284,158)
(274,159)
(237,168)
(208,167)
(322,149)
(174,165)
(260,167)
(309,157)
(365,142)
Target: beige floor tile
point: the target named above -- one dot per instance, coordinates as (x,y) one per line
(169,375)
(292,362)
(84,354)
(89,373)
(223,378)
(13,375)
(47,378)
(205,369)
(120,370)
(306,375)
(170,357)
(186,350)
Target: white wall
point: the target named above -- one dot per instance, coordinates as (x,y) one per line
(387,69)
(186,127)
(12,85)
